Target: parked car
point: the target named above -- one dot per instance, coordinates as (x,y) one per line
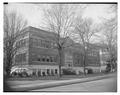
(20,72)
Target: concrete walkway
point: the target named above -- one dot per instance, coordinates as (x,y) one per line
(37,85)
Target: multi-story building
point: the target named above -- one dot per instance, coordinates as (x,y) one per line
(97,57)
(36,51)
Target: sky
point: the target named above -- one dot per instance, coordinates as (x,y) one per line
(33,13)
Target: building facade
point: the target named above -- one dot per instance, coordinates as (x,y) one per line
(36,51)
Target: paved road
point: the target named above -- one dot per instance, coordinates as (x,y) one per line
(25,82)
(104,85)
(12,83)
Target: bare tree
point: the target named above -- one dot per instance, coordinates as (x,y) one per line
(13,25)
(84,31)
(109,34)
(59,19)
(110,38)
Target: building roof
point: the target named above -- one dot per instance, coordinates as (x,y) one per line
(51,35)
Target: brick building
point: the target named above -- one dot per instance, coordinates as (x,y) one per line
(36,51)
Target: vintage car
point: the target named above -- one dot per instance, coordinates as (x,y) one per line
(21,72)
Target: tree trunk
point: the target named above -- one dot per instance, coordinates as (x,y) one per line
(110,51)
(60,61)
(84,64)
(84,61)
(8,67)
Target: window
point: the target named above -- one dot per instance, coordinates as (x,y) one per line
(77,58)
(39,43)
(20,57)
(48,71)
(69,65)
(47,44)
(38,59)
(42,43)
(34,42)
(55,59)
(51,59)
(43,59)
(55,71)
(48,59)
(53,45)
(21,43)
(52,72)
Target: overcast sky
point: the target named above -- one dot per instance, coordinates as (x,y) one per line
(34,13)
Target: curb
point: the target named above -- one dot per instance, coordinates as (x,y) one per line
(55,83)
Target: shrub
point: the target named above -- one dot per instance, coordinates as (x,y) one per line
(90,71)
(108,68)
(68,72)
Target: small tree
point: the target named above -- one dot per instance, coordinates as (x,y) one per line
(13,25)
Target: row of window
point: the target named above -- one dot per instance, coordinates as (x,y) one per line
(43,43)
(20,57)
(47,59)
(78,58)
(21,43)
(39,72)
(92,54)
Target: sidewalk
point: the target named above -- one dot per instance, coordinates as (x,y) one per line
(25,81)
(28,87)
(64,77)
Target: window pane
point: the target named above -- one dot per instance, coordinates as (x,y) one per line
(20,57)
(43,59)
(47,59)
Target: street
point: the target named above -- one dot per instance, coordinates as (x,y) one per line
(104,85)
